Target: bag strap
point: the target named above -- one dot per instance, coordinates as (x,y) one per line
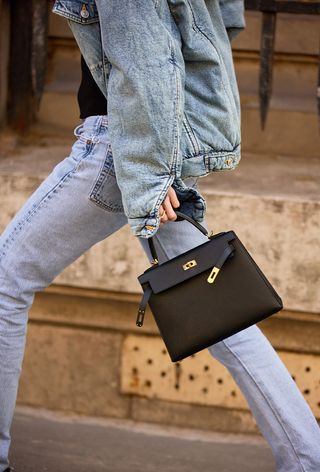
(143,304)
(180,217)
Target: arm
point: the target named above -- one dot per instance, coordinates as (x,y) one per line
(145,103)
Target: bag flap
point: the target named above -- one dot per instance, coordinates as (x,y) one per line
(200,258)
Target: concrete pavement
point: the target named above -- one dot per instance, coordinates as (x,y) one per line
(47,442)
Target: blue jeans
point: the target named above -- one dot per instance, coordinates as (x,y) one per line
(76,206)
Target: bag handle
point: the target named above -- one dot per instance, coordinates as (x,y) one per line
(180,217)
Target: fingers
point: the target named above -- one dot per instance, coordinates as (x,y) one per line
(173,198)
(166,210)
(163,216)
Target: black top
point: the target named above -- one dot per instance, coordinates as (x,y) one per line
(90,98)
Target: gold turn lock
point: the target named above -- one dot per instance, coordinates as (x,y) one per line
(213,275)
(189,265)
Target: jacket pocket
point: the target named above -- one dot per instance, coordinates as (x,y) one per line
(80,11)
(105,192)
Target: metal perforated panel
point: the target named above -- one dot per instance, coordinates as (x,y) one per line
(148,371)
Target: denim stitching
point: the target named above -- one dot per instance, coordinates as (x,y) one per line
(74,16)
(267,400)
(197,28)
(113,209)
(191,135)
(106,171)
(176,140)
(177,111)
(103,55)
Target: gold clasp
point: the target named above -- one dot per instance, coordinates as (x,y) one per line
(213,275)
(189,265)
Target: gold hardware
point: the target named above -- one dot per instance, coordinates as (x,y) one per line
(189,265)
(150,227)
(211,234)
(154,262)
(84,12)
(213,275)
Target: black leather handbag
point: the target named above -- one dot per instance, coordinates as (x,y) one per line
(206,294)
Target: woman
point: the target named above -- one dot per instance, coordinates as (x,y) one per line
(76,206)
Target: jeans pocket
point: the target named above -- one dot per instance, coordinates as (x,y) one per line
(82,147)
(105,192)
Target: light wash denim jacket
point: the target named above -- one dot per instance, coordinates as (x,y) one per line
(166,69)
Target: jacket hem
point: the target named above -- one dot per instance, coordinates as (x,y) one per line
(212,161)
(73,16)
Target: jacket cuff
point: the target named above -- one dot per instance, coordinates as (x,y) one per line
(192,204)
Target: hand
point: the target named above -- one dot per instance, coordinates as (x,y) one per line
(166,211)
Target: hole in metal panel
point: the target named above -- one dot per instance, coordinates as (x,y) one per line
(146,364)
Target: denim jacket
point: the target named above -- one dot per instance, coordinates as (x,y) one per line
(167,72)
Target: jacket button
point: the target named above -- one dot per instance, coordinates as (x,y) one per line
(228,161)
(84,12)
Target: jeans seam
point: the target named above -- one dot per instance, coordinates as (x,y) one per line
(268,401)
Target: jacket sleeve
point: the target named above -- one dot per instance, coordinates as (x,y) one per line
(232,12)
(145,104)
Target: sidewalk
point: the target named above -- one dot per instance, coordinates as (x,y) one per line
(47,442)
